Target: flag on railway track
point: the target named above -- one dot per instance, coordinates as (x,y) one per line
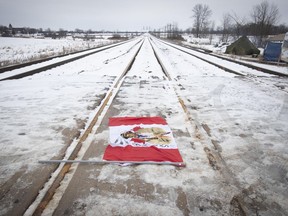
(141,139)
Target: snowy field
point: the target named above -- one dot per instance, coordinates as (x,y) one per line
(19,50)
(233,139)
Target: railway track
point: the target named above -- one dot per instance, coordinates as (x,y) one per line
(221,62)
(257,75)
(161,89)
(21,65)
(214,157)
(103,109)
(31,68)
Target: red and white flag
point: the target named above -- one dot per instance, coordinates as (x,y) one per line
(141,139)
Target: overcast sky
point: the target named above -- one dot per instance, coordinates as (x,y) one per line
(119,14)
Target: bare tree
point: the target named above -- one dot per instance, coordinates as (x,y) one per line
(201,15)
(226,27)
(239,24)
(211,30)
(264,16)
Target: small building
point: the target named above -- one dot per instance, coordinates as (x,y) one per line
(276,48)
(272,51)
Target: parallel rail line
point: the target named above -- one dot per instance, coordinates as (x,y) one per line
(21,65)
(213,155)
(265,70)
(261,69)
(53,65)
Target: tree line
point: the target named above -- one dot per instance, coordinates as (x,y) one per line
(263,21)
(10,31)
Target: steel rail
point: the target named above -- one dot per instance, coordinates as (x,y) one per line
(178,164)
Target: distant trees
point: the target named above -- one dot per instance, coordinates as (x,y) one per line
(4,31)
(172,31)
(79,31)
(201,16)
(62,33)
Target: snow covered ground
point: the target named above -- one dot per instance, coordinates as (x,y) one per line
(233,137)
(19,50)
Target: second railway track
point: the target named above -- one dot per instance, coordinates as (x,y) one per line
(223,62)
(31,68)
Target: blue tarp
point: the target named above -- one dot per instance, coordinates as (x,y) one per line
(272,51)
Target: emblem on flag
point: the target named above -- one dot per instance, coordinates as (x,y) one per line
(141,139)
